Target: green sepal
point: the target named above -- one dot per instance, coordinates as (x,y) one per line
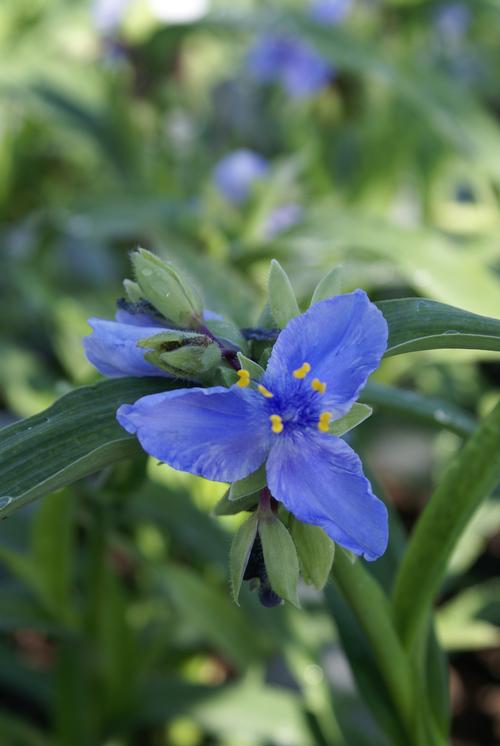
(240,552)
(282,300)
(172,339)
(266,319)
(132,291)
(192,361)
(164,287)
(228,375)
(329,286)
(255,370)
(227,331)
(253,483)
(315,550)
(280,557)
(183,354)
(226,506)
(356,415)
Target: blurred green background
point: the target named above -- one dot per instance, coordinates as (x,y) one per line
(116,625)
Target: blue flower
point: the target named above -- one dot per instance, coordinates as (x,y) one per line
(237,172)
(112,346)
(318,366)
(330,11)
(282,218)
(290,62)
(452,21)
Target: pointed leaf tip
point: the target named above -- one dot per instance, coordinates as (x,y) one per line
(282,300)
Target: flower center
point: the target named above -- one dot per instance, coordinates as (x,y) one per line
(301,409)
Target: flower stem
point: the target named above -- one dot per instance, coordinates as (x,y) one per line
(372,610)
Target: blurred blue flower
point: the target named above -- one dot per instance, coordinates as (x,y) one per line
(291,62)
(282,218)
(236,173)
(330,11)
(319,364)
(452,21)
(112,346)
(108,14)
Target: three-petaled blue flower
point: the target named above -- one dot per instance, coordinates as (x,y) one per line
(319,364)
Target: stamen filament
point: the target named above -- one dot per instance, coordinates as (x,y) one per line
(318,386)
(324,421)
(276,423)
(265,392)
(302,371)
(244,378)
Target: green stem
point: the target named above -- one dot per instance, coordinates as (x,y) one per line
(470,478)
(372,610)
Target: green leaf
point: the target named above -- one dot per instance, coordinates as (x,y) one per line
(226,506)
(240,552)
(459,622)
(247,486)
(372,610)
(211,612)
(469,479)
(415,406)
(280,558)
(329,286)
(282,300)
(356,415)
(53,552)
(76,436)
(420,324)
(255,370)
(315,551)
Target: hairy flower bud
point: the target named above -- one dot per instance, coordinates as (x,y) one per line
(182,354)
(163,286)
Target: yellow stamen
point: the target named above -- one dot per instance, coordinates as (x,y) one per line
(318,385)
(302,371)
(265,392)
(276,423)
(324,421)
(244,378)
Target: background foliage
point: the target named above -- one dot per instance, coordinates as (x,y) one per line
(116,622)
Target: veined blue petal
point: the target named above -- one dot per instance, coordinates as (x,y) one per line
(320,480)
(343,340)
(218,433)
(112,349)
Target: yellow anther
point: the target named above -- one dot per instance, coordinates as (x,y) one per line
(244,378)
(276,423)
(265,392)
(302,371)
(324,421)
(318,385)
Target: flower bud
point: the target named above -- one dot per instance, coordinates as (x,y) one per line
(182,354)
(162,286)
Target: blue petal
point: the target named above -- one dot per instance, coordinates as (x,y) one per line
(218,433)
(112,349)
(342,338)
(236,173)
(306,72)
(320,480)
(141,318)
